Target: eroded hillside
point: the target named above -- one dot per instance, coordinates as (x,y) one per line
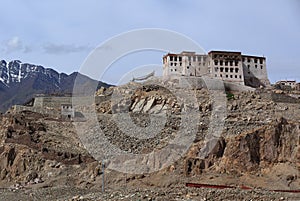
(259,145)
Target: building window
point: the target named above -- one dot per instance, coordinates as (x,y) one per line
(221,75)
(236,70)
(171,70)
(243,59)
(240,77)
(231,63)
(171,58)
(221,63)
(236,63)
(248,66)
(216,69)
(248,72)
(216,62)
(180,58)
(255,60)
(261,61)
(180,64)
(261,67)
(249,60)
(188,67)
(175,64)
(171,64)
(226,70)
(215,75)
(226,63)
(175,58)
(230,76)
(255,66)
(221,69)
(231,70)
(194,59)
(235,76)
(226,76)
(175,69)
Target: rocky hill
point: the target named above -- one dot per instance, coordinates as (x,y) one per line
(19,82)
(259,147)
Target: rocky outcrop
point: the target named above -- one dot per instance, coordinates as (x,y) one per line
(250,152)
(278,142)
(28,142)
(18,161)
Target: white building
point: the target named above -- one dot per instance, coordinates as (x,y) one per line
(225,65)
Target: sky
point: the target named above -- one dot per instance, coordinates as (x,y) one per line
(61,34)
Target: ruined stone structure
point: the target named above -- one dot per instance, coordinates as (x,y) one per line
(47,105)
(288,83)
(58,106)
(229,66)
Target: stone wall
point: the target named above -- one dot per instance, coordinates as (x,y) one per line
(52,105)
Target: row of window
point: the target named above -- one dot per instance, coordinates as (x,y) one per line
(261,67)
(67,106)
(199,58)
(180,64)
(255,60)
(230,76)
(222,69)
(175,64)
(226,63)
(225,56)
(190,58)
(174,58)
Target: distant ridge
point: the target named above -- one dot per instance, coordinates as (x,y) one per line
(19,82)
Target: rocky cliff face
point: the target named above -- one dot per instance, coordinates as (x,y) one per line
(30,144)
(260,136)
(19,82)
(277,142)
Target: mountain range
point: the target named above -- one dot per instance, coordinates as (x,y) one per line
(20,82)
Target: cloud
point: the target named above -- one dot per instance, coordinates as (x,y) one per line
(13,45)
(65,48)
(27,49)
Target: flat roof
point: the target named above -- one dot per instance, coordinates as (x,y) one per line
(220,51)
(286,81)
(213,52)
(253,56)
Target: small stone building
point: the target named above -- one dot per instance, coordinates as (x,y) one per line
(67,111)
(292,84)
(297,86)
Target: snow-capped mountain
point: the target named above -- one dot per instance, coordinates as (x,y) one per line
(16,71)
(19,82)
